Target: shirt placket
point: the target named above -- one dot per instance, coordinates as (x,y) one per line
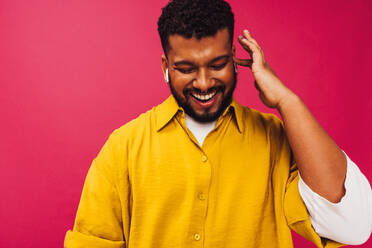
(197,231)
(201,195)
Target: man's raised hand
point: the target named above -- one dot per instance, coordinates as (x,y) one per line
(272,91)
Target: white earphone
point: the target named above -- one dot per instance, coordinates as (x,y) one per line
(235,68)
(166,75)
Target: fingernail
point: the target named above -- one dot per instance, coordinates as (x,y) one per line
(241,37)
(245,30)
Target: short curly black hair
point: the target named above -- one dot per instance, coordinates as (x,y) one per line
(199,18)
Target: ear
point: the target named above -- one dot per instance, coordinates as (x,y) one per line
(164,65)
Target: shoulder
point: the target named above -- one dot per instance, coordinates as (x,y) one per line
(115,150)
(253,118)
(261,117)
(135,128)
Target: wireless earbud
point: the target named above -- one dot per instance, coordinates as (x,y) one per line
(167,75)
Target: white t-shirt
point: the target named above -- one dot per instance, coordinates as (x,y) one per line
(348,221)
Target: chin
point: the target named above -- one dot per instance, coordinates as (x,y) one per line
(204,117)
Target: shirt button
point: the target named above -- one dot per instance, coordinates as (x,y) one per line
(204,158)
(202,196)
(197,236)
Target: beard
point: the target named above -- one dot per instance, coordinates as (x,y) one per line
(205,117)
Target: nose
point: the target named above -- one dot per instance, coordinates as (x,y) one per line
(203,82)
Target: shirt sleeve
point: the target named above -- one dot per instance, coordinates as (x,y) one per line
(348,221)
(293,207)
(100,219)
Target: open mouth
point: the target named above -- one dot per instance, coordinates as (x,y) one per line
(204,97)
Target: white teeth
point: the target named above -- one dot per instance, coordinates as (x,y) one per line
(204,97)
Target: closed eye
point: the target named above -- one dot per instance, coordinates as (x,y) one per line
(186,71)
(218,67)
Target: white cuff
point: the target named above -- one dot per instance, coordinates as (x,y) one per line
(348,221)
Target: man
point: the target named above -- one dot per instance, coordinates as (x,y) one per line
(200,170)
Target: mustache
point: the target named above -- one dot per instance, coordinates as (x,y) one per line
(188,91)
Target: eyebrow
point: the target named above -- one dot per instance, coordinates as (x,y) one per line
(185,62)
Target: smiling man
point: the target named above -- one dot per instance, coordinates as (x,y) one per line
(201,170)
(211,57)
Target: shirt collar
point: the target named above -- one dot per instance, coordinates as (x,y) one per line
(166,111)
(169,108)
(237,111)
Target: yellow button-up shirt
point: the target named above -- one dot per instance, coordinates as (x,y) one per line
(153,186)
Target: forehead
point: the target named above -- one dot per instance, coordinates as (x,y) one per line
(198,51)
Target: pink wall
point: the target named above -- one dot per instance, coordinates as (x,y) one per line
(73,71)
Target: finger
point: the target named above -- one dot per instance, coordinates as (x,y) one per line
(248,36)
(244,45)
(243,62)
(250,45)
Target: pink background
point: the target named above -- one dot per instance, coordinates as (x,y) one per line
(73,71)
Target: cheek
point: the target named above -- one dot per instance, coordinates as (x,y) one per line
(179,84)
(226,76)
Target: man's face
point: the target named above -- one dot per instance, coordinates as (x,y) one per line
(202,76)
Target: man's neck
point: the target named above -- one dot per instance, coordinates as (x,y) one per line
(199,129)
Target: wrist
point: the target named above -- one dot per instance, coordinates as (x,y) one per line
(289,100)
